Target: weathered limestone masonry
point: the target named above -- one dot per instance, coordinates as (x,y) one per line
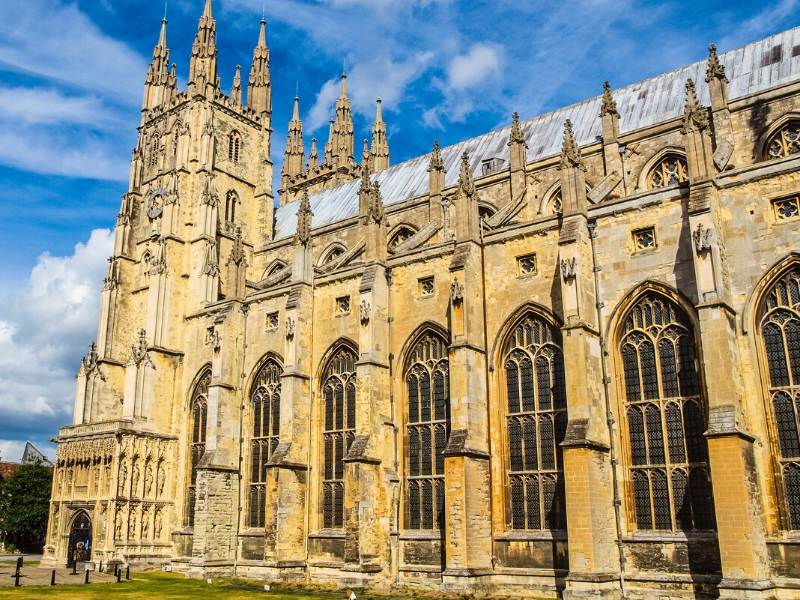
(560,359)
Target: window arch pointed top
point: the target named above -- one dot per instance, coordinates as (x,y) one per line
(750,314)
(781,139)
(400,234)
(665,168)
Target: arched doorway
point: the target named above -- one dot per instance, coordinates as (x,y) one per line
(80,540)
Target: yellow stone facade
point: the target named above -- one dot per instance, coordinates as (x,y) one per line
(548,378)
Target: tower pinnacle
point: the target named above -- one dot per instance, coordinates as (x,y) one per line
(380,144)
(259,90)
(342,133)
(203,63)
(157,80)
(294,155)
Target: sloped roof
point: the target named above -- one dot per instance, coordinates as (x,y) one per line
(757,66)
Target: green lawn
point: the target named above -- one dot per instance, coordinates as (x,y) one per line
(173,587)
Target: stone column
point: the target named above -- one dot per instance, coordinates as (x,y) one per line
(593,558)
(741,529)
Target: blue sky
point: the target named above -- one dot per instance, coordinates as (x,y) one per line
(71,75)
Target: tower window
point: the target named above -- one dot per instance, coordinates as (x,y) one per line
(231,200)
(234,146)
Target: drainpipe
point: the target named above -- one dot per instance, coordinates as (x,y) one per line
(396,507)
(609,415)
(311,396)
(245,308)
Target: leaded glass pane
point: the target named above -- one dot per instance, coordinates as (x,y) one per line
(647,360)
(526,376)
(776,356)
(641,496)
(661,503)
(512,384)
(675,436)
(543,383)
(529,440)
(547,452)
(669,370)
(631,369)
(655,435)
(786,422)
(791,483)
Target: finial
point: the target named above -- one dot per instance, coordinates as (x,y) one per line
(608,106)
(715,69)
(516,136)
(436,163)
(296,109)
(365,152)
(466,183)
(694,115)
(570,152)
(379,110)
(207,11)
(304,216)
(344,84)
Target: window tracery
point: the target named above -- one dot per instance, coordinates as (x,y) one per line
(339,423)
(670,170)
(231,201)
(785,141)
(536,421)
(199,409)
(399,236)
(427,430)
(265,399)
(666,418)
(780,334)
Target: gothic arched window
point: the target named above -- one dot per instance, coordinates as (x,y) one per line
(785,141)
(265,402)
(231,200)
(339,424)
(427,430)
(665,414)
(536,421)
(155,148)
(234,146)
(400,235)
(553,206)
(780,333)
(669,170)
(199,409)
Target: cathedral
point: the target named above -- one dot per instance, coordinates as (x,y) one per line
(560,359)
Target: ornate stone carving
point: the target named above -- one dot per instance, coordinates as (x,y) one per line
(290,325)
(456,293)
(237,256)
(714,68)
(703,238)
(608,106)
(466,183)
(365,311)
(569,269)
(695,116)
(213,338)
(139,351)
(570,152)
(304,215)
(111,280)
(516,136)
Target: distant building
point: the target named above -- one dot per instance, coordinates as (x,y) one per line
(560,358)
(31,455)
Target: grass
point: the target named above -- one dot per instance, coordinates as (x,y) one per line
(172,586)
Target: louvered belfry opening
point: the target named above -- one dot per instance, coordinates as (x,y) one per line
(666,417)
(780,333)
(265,401)
(199,407)
(427,430)
(339,399)
(536,421)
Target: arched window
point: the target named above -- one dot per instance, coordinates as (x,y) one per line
(339,395)
(276,266)
(144,267)
(536,421)
(427,430)
(231,200)
(400,235)
(265,398)
(155,148)
(780,334)
(234,146)
(785,141)
(669,170)
(199,407)
(552,204)
(332,254)
(485,212)
(665,415)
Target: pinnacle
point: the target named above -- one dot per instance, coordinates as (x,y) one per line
(207,11)
(162,36)
(262,35)
(379,111)
(344,85)
(296,110)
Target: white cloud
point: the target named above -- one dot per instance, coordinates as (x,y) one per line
(59,42)
(48,105)
(45,328)
(479,63)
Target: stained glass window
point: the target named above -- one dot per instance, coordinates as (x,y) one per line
(339,396)
(199,409)
(265,400)
(780,332)
(535,425)
(427,429)
(785,141)
(665,418)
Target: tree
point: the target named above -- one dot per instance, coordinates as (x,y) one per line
(24,506)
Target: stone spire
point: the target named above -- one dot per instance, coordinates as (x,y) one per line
(236,88)
(304,215)
(380,144)
(294,155)
(466,182)
(329,145)
(259,88)
(365,155)
(342,146)
(203,63)
(608,106)
(716,80)
(694,115)
(570,152)
(313,156)
(157,80)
